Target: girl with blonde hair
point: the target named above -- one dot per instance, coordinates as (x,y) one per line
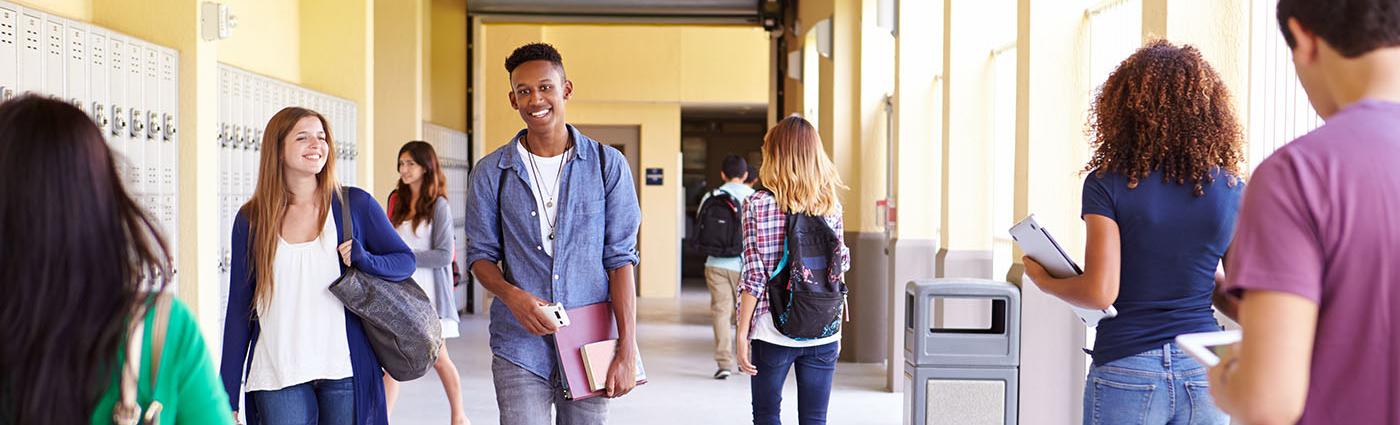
(790,312)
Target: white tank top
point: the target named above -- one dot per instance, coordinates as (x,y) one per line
(303,330)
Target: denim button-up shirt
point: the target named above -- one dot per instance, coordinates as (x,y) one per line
(596,232)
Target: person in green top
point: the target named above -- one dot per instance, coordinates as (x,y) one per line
(79,257)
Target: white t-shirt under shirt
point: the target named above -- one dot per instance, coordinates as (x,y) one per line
(303,329)
(766,331)
(549,171)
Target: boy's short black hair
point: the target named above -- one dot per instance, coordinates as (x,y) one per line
(1353,27)
(535,52)
(734,166)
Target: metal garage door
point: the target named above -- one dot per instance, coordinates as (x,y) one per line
(631,11)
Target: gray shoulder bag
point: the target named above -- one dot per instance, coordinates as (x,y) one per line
(402,326)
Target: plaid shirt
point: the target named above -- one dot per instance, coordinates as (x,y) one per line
(764,229)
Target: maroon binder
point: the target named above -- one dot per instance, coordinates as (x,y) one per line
(587,324)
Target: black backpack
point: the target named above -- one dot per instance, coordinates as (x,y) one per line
(718,232)
(805,303)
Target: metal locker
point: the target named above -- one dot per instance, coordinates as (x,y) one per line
(151,104)
(248,160)
(116,103)
(75,42)
(251,116)
(9,52)
(350,130)
(55,61)
(31,52)
(98,83)
(170,108)
(235,135)
(225,222)
(135,115)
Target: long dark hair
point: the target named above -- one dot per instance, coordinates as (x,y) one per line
(1165,109)
(75,253)
(432,186)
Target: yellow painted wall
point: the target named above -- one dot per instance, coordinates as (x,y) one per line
(639,75)
(446,87)
(267,39)
(398,86)
(723,65)
(78,10)
(337,58)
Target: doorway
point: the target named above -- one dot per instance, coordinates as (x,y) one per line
(708,135)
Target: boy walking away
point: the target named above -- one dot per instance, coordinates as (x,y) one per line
(719,235)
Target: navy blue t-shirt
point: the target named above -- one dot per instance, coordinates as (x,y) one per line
(1172,242)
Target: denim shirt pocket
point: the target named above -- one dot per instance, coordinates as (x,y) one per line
(591,207)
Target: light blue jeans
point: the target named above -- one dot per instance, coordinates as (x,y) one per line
(525,398)
(1154,387)
(319,402)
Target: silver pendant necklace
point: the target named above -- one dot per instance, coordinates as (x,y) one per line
(547,195)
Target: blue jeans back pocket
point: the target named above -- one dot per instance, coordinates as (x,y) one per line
(1118,403)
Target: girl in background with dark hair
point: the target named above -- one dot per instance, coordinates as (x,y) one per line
(308,358)
(419,211)
(1159,204)
(78,260)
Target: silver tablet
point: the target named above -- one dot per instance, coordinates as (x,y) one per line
(1037,243)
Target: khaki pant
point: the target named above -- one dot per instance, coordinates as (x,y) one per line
(724,285)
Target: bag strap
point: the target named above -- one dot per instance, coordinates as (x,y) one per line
(127,411)
(602,165)
(347,224)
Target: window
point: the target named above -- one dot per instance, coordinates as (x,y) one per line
(1278,107)
(1003,156)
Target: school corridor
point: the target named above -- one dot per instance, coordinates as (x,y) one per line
(947,121)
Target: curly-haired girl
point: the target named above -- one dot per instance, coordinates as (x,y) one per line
(1159,204)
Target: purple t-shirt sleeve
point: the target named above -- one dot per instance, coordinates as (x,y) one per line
(1097,198)
(1276,246)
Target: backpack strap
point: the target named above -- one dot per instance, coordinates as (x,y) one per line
(602,165)
(128,411)
(500,218)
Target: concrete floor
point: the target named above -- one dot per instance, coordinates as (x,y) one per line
(677,347)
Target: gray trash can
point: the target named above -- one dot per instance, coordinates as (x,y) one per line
(962,345)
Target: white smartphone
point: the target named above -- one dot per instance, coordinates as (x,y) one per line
(1207,347)
(556,313)
(1037,243)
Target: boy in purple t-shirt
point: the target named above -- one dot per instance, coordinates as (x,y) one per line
(1313,259)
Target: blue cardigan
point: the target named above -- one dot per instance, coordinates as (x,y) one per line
(378,250)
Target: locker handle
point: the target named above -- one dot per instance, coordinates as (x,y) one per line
(100,113)
(154,125)
(169,127)
(138,123)
(120,118)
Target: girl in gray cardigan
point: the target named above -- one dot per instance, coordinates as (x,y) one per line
(419,211)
